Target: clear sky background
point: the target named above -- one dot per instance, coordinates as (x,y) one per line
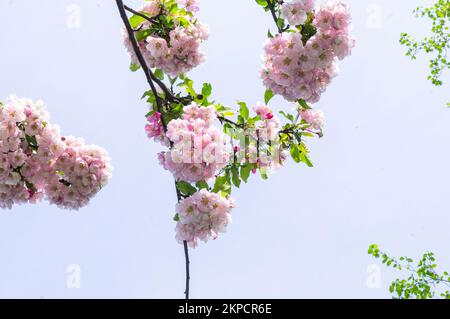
(381,172)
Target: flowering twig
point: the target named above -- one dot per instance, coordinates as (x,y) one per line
(148,73)
(150,78)
(167,47)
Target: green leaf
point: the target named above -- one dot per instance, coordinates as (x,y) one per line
(134,67)
(305,159)
(188,84)
(206,90)
(268,95)
(202,185)
(222,184)
(295,153)
(185,188)
(159,74)
(262,3)
(289,117)
(135,21)
(243,111)
(264,174)
(303,104)
(280,23)
(235,176)
(245,172)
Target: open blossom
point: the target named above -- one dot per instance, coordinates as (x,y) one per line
(189,5)
(295,12)
(33,153)
(298,70)
(203,216)
(151,8)
(313,117)
(263,111)
(157,47)
(180,51)
(199,148)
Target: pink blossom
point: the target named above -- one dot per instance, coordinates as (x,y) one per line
(298,70)
(294,12)
(180,52)
(151,8)
(82,171)
(203,216)
(313,117)
(198,148)
(263,111)
(154,128)
(36,162)
(189,5)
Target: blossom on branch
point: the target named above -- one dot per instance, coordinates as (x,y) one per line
(301,63)
(169,36)
(203,216)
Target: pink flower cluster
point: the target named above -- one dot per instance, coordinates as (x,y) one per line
(313,117)
(263,149)
(177,53)
(269,127)
(298,70)
(81,172)
(189,5)
(198,148)
(202,216)
(295,12)
(154,128)
(32,153)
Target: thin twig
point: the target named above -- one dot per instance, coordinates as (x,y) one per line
(152,20)
(274,14)
(224,119)
(186,256)
(186,251)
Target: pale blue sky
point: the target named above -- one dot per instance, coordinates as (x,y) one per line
(381,171)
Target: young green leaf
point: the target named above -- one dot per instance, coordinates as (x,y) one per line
(268,95)
(185,188)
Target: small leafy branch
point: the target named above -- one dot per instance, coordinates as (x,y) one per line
(171,92)
(437,43)
(423,282)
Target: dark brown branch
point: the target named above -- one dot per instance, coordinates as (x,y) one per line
(274,14)
(188,277)
(271,4)
(224,119)
(186,251)
(140,57)
(150,78)
(170,97)
(152,20)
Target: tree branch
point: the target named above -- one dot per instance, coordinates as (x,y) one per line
(186,256)
(224,119)
(148,74)
(186,250)
(274,14)
(150,78)
(152,20)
